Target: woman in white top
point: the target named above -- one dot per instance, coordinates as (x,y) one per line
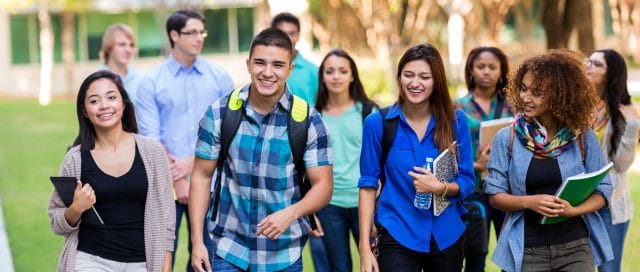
(616,125)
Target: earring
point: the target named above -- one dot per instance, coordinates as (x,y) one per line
(500,81)
(471,78)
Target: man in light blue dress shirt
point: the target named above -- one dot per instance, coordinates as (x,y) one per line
(172,99)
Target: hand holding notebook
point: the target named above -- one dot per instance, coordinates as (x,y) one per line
(66,187)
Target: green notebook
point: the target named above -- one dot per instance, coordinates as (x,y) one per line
(576,189)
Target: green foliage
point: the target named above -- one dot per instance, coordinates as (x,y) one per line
(377,86)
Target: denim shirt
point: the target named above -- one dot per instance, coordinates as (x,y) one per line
(506,177)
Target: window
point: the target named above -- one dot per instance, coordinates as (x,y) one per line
(245,28)
(217,24)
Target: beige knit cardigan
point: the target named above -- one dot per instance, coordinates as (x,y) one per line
(159,211)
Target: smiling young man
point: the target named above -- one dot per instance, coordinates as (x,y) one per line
(173,97)
(260,223)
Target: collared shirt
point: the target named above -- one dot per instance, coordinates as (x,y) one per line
(258,179)
(303,81)
(410,226)
(172,99)
(131,80)
(507,175)
(475,116)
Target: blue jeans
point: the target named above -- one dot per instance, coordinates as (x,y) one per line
(221,265)
(318,254)
(337,222)
(180,210)
(617,234)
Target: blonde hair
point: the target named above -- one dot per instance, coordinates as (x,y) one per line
(109,39)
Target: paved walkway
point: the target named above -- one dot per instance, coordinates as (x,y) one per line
(6,262)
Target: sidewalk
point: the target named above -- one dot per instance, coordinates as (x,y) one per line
(6,263)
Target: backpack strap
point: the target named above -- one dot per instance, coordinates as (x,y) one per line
(231,117)
(367,107)
(297,131)
(389,128)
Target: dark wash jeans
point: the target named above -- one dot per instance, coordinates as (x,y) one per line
(336,223)
(570,256)
(395,257)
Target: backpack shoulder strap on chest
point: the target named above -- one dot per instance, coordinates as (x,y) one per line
(231,117)
(367,107)
(389,128)
(297,132)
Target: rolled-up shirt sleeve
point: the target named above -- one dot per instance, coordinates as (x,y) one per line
(371,151)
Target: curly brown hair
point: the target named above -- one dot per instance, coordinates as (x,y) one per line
(560,75)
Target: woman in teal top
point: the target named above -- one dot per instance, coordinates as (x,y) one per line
(341,100)
(485,73)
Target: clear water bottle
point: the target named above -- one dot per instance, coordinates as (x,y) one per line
(423,200)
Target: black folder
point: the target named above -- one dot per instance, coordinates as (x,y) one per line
(66,187)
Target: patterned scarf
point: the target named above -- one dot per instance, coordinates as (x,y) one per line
(533,136)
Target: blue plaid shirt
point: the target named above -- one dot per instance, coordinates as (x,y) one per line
(258,179)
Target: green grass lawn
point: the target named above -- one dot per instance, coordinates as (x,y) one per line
(32,144)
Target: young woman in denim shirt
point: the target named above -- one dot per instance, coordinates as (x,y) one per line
(552,96)
(408,238)
(616,125)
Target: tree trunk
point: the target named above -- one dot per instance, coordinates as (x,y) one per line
(68,19)
(580,15)
(46,53)
(555,25)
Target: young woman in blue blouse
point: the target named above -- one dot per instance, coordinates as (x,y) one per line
(408,238)
(341,100)
(549,141)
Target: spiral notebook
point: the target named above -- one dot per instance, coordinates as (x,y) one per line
(445,169)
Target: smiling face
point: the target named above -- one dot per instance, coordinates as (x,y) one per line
(103,104)
(416,81)
(535,103)
(190,39)
(337,74)
(269,67)
(486,70)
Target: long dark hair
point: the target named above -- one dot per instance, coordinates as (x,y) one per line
(504,68)
(356,90)
(87,133)
(615,93)
(440,100)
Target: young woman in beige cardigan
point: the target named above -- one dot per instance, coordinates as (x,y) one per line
(125,176)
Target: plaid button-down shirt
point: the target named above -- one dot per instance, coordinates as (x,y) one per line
(258,179)
(475,116)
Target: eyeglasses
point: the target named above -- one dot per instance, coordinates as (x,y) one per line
(194,33)
(594,63)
